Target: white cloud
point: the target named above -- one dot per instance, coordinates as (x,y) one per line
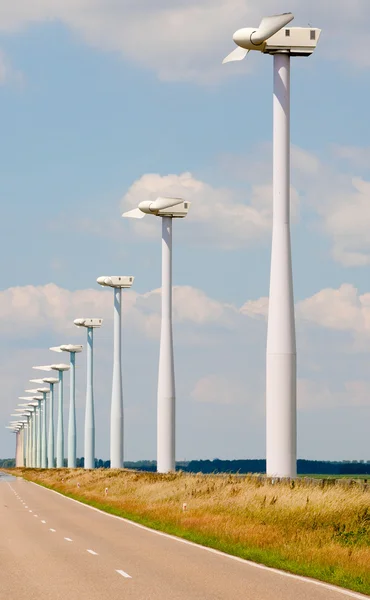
(342,309)
(340,200)
(346,213)
(30,310)
(256,308)
(224,216)
(217,389)
(314,395)
(186,41)
(7,73)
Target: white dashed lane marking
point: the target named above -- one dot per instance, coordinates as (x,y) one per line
(53,530)
(123,573)
(68,540)
(43,522)
(92,552)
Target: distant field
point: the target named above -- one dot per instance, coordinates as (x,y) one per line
(321,531)
(355,477)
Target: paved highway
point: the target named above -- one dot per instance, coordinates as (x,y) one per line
(52,548)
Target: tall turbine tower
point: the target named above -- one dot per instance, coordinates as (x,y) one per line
(117,282)
(167,209)
(73,350)
(90,325)
(60,427)
(38,400)
(32,433)
(273,37)
(44,461)
(50,453)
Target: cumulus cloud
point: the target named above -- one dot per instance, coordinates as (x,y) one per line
(186,41)
(216,389)
(328,188)
(30,310)
(217,215)
(314,395)
(7,73)
(345,213)
(256,308)
(342,309)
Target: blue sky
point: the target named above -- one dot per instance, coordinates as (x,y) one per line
(102,105)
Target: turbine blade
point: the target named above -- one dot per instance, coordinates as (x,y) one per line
(237,54)
(134,214)
(56,349)
(269,26)
(162,203)
(43,368)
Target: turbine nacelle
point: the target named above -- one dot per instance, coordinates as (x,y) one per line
(72,348)
(272,36)
(116,281)
(59,367)
(94,323)
(161,207)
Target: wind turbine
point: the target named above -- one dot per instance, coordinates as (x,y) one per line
(51,381)
(273,37)
(18,442)
(167,209)
(26,442)
(38,400)
(14,429)
(29,412)
(117,282)
(90,324)
(44,463)
(60,429)
(33,458)
(73,350)
(31,406)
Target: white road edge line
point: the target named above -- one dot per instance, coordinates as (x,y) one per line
(92,552)
(327,586)
(124,574)
(68,540)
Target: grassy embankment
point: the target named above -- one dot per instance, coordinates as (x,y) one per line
(320,532)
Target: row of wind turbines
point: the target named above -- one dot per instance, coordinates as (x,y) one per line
(271,37)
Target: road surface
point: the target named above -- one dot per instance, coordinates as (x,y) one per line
(52,548)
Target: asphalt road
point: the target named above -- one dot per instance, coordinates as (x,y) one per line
(52,548)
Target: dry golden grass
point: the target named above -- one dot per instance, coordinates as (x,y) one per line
(323,529)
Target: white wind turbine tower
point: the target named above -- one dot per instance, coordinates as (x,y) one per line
(42,408)
(89,453)
(273,37)
(32,406)
(73,350)
(50,453)
(27,413)
(14,428)
(167,209)
(38,424)
(60,427)
(118,283)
